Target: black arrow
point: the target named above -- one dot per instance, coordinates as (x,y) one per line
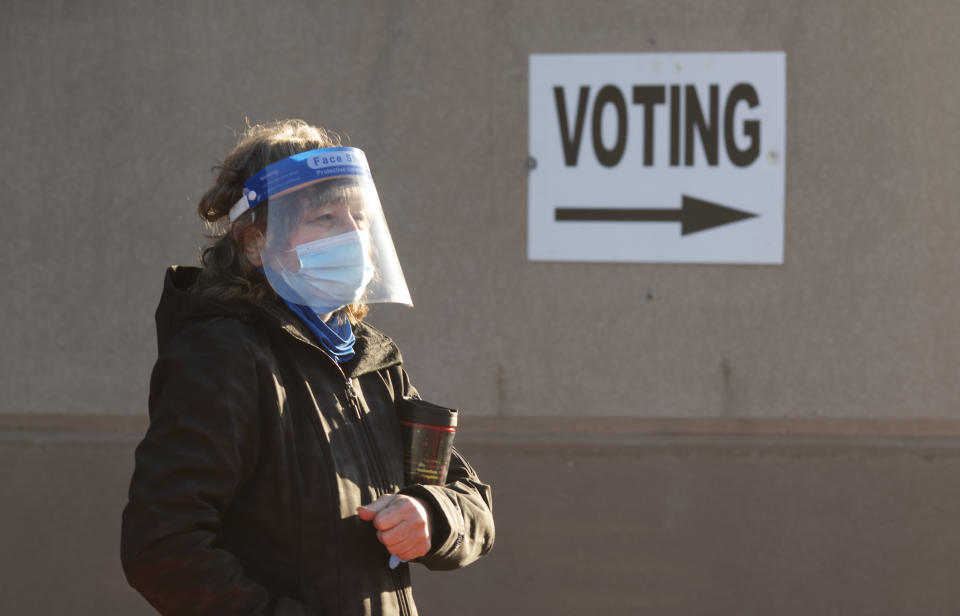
(694,215)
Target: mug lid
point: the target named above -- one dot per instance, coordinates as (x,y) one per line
(414,410)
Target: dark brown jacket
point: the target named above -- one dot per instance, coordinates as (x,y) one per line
(260,448)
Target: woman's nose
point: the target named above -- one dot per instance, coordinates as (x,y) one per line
(357,219)
(351,223)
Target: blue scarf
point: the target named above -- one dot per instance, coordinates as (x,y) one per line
(337,340)
(335,337)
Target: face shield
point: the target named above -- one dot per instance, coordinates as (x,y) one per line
(327,244)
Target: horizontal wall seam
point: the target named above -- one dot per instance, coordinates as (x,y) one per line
(588,444)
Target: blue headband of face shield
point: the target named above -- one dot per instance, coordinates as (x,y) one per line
(299,170)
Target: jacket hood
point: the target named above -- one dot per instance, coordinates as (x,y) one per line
(180,306)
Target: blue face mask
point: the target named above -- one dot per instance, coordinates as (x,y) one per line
(334,271)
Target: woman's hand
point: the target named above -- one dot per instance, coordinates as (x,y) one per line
(402,523)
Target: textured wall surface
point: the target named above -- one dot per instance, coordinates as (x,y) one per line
(671,439)
(632,523)
(114,114)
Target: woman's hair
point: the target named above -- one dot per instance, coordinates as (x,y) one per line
(227,274)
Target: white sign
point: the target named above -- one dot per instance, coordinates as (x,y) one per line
(657,157)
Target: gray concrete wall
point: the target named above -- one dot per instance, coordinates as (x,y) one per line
(622,517)
(787,433)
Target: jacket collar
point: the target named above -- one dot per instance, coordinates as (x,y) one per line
(373,350)
(179,305)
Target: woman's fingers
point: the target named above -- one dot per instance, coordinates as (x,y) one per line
(369,512)
(402,523)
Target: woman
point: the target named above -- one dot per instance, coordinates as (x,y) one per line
(270,478)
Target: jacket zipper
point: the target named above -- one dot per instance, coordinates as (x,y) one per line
(380,486)
(354,400)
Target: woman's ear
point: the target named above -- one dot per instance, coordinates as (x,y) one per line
(251,241)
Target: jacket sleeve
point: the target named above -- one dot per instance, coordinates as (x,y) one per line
(462,528)
(463,517)
(201,444)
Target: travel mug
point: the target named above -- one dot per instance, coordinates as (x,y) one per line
(427,430)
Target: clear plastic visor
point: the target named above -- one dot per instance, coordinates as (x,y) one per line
(327,245)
